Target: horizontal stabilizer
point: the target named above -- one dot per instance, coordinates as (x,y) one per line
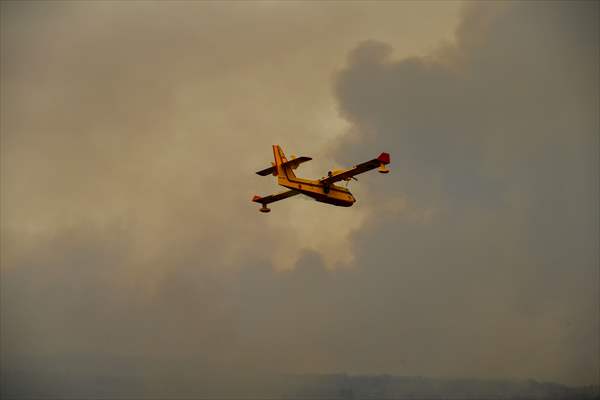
(266,171)
(293,164)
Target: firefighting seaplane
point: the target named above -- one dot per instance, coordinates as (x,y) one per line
(323,189)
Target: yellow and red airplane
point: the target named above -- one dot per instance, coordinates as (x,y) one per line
(323,189)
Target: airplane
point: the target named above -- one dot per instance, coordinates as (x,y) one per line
(323,189)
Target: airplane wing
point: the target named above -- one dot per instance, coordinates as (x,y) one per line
(383,159)
(274,197)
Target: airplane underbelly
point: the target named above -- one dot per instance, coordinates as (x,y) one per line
(335,202)
(334,197)
(342,200)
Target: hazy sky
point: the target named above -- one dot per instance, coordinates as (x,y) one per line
(130,133)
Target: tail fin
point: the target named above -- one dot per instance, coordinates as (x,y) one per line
(279,160)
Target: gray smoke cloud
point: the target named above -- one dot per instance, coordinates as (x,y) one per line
(487,256)
(131,253)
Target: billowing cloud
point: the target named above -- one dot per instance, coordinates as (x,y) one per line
(487,234)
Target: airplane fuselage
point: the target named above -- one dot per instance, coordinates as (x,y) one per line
(330,194)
